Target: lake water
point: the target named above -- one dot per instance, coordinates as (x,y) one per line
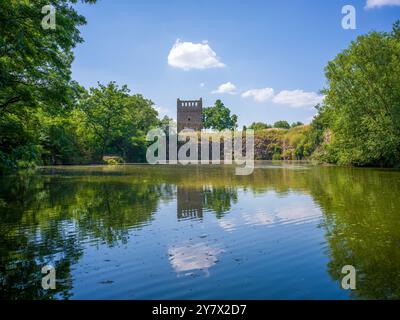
(200,232)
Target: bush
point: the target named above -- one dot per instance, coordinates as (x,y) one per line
(112,160)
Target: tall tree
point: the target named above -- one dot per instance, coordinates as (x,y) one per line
(35,75)
(219,117)
(282,124)
(259,126)
(362,101)
(35,62)
(297,124)
(116,121)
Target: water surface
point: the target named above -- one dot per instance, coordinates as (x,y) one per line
(200,232)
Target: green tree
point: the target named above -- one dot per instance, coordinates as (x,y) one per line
(219,117)
(282,124)
(164,124)
(259,126)
(59,141)
(297,124)
(35,76)
(35,63)
(116,122)
(362,103)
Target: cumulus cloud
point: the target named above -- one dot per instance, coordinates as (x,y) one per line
(228,87)
(381,3)
(189,55)
(298,98)
(259,95)
(292,98)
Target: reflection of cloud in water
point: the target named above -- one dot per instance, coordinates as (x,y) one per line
(296,213)
(199,256)
(259,218)
(227,224)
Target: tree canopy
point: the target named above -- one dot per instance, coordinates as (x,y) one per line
(35,62)
(218,117)
(45,117)
(362,103)
(282,124)
(297,124)
(259,126)
(117,122)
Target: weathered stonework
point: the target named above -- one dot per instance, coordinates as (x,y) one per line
(189,114)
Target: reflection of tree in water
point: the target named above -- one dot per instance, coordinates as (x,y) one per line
(22,258)
(106,211)
(362,220)
(219,200)
(361,217)
(33,235)
(44,220)
(192,201)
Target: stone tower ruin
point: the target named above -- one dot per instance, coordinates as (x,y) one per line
(189,114)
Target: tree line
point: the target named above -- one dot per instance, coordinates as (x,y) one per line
(47,118)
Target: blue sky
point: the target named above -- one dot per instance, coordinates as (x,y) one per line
(268,55)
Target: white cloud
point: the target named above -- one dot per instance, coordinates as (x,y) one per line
(189,55)
(228,87)
(298,98)
(381,3)
(259,95)
(202,84)
(292,98)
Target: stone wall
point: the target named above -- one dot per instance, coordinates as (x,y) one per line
(189,114)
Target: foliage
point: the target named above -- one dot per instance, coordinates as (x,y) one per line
(165,123)
(113,161)
(35,81)
(47,118)
(282,124)
(259,126)
(362,104)
(34,62)
(219,117)
(296,124)
(116,122)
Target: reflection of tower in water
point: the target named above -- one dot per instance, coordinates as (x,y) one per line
(189,203)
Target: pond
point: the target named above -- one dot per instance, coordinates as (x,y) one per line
(200,232)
